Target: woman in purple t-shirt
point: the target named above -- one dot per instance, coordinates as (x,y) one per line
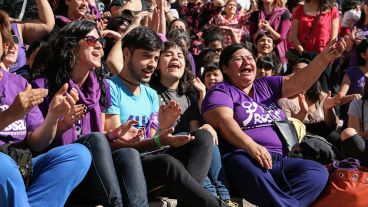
(75,58)
(243,110)
(21,121)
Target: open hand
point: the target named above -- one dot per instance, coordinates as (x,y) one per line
(166,138)
(26,100)
(330,101)
(126,132)
(168,114)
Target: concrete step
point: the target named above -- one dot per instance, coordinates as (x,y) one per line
(168,202)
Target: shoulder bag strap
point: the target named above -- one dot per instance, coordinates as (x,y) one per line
(362,121)
(21,15)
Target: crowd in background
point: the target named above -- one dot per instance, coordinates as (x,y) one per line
(121,101)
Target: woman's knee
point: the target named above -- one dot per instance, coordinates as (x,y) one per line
(203,137)
(126,157)
(9,172)
(348,133)
(78,154)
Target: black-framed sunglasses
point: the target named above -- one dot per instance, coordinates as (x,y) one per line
(91,41)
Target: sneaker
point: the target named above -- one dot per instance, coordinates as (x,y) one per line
(229,203)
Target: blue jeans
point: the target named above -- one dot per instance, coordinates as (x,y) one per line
(55,174)
(132,181)
(216,180)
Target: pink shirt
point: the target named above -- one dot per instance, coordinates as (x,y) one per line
(320,35)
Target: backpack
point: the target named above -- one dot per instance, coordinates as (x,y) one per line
(317,148)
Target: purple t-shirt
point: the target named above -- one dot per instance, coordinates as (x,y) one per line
(250,113)
(357,80)
(10,86)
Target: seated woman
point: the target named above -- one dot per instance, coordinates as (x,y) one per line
(22,121)
(243,109)
(314,108)
(173,81)
(74,56)
(354,142)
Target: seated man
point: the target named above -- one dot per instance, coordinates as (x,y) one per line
(184,165)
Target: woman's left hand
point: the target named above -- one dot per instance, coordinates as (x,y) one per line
(198,85)
(334,49)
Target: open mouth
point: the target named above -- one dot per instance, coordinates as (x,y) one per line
(96,54)
(174,66)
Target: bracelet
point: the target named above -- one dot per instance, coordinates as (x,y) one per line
(157,141)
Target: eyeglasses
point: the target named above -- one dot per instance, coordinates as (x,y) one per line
(91,41)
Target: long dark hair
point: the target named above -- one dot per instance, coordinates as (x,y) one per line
(185,86)
(314,92)
(61,57)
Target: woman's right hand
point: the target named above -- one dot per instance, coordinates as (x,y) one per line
(168,114)
(334,49)
(261,154)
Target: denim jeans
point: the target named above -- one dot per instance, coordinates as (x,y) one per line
(132,182)
(216,179)
(113,178)
(55,174)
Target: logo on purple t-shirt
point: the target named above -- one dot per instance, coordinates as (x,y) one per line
(17,128)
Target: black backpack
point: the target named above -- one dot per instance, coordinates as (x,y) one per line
(317,148)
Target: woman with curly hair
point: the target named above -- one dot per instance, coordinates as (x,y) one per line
(53,175)
(75,58)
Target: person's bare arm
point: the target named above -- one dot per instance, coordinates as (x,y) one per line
(301,81)
(34,30)
(221,118)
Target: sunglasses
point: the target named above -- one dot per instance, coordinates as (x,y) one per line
(92,41)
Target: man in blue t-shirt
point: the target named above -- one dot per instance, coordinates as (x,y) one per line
(177,168)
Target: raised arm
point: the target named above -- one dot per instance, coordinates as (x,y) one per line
(301,81)
(221,118)
(35,30)
(294,36)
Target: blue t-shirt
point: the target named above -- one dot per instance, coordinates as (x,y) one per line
(131,107)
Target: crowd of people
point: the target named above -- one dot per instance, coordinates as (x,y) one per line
(121,101)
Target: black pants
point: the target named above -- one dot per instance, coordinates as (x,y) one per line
(183,170)
(356,147)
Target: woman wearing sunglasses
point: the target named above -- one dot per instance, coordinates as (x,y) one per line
(75,58)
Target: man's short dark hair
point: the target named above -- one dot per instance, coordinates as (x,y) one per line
(142,38)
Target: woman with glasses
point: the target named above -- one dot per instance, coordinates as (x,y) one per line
(74,57)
